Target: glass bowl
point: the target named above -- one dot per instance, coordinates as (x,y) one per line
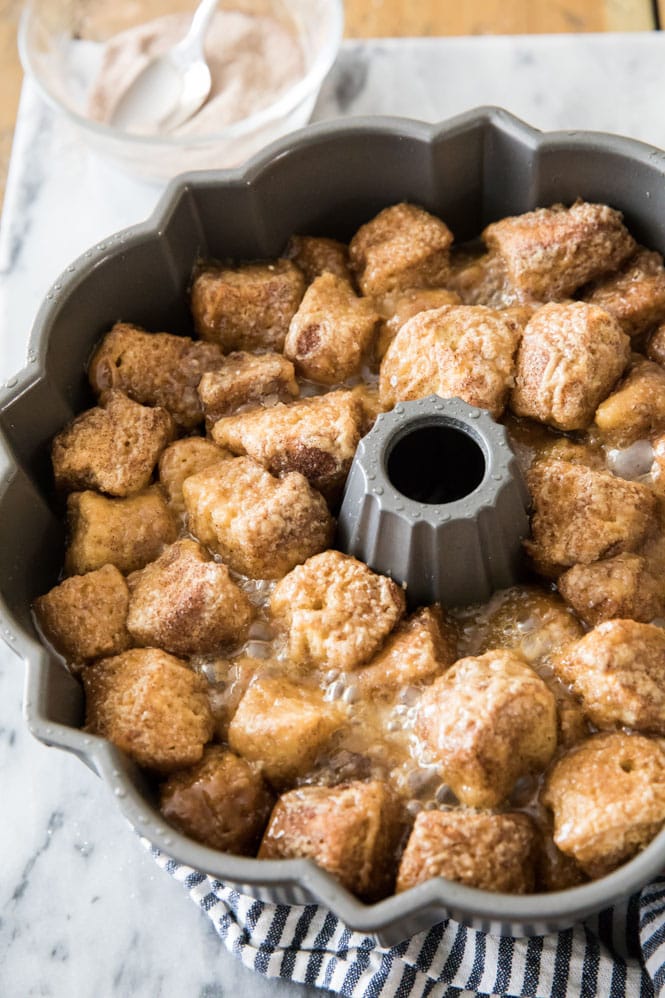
(284,48)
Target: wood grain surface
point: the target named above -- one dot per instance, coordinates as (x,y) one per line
(386,18)
(381,18)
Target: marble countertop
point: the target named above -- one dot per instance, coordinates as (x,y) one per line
(84,911)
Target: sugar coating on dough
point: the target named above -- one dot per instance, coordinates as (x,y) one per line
(154,369)
(314,436)
(550,252)
(487,721)
(581,515)
(244,381)
(186,603)
(260,525)
(112,448)
(336,611)
(352,830)
(220,801)
(246,307)
(85,616)
(618,672)
(636,408)
(480,278)
(495,852)
(403,246)
(397,307)
(416,652)
(183,458)
(570,357)
(622,586)
(635,295)
(316,255)
(150,705)
(465,352)
(607,796)
(127,533)
(283,727)
(332,331)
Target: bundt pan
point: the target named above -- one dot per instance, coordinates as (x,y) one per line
(325,180)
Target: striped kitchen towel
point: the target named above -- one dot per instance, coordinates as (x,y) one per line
(619,953)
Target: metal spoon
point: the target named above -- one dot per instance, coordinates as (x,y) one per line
(173,86)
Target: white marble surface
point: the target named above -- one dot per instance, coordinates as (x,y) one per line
(84,912)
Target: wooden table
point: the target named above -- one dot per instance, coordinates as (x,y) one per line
(385,18)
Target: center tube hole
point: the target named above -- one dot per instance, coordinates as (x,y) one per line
(436,464)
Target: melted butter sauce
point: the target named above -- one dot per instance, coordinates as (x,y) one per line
(378,739)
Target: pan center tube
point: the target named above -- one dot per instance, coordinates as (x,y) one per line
(436,462)
(435,499)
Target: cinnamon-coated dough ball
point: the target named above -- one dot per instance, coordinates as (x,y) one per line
(486,722)
(220,801)
(622,586)
(183,458)
(261,526)
(495,852)
(151,705)
(618,672)
(352,830)
(154,369)
(636,409)
(607,796)
(112,448)
(246,381)
(634,295)
(127,533)
(316,255)
(282,727)
(465,352)
(403,246)
(581,515)
(246,307)
(550,252)
(418,650)
(336,612)
(85,616)
(314,436)
(570,357)
(331,333)
(186,603)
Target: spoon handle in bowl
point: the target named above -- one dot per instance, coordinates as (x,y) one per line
(201,18)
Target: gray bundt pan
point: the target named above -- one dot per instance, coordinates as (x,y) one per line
(323,180)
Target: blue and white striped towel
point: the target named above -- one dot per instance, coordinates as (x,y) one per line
(617,954)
